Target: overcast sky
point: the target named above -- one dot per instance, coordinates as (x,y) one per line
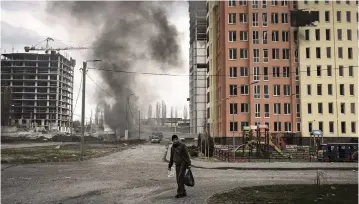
(27,23)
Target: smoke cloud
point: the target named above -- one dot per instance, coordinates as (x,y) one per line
(129,36)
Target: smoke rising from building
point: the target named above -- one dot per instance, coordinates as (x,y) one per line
(130,35)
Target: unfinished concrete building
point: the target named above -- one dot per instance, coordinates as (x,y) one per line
(41,89)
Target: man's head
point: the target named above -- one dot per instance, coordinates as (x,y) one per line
(175,139)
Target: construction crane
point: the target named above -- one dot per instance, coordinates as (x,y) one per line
(47,47)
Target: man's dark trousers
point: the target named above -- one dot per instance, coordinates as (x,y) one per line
(180,172)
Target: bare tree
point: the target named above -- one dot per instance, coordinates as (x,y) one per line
(163,112)
(176,112)
(158,112)
(185,112)
(149,115)
(172,112)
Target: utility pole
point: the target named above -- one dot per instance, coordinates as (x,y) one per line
(139,124)
(83,108)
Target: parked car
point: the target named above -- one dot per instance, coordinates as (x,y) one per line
(155,139)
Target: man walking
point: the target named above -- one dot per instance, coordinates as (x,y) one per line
(179,155)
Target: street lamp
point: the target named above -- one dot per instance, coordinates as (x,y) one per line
(127,104)
(83,104)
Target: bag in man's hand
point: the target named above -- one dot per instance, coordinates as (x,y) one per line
(188,178)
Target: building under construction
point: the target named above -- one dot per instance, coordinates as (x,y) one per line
(41,89)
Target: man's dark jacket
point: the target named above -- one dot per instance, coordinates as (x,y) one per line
(179,155)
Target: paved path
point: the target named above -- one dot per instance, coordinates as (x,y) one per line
(22,145)
(135,176)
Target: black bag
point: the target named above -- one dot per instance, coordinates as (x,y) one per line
(188,178)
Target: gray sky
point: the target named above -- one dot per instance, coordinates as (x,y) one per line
(26,23)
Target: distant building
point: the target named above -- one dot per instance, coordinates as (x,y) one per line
(41,87)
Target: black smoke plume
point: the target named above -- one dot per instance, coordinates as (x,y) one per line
(127,32)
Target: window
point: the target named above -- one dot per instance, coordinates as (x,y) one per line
(339,17)
(276,89)
(277,108)
(319,70)
(320,108)
(244,124)
(288,126)
(265,55)
(284,17)
(266,91)
(307,52)
(329,52)
(287,109)
(351,89)
(232,36)
(265,37)
(285,53)
(275,36)
(309,108)
(264,19)
(308,70)
(350,53)
(257,91)
(320,125)
(285,36)
(330,89)
(243,18)
(232,53)
(295,36)
(243,36)
(310,126)
(256,74)
(329,70)
(267,124)
(276,72)
(342,108)
(348,17)
(340,52)
(275,53)
(298,110)
(349,34)
(232,18)
(243,53)
(327,16)
(274,18)
(233,90)
(265,74)
(297,91)
(286,72)
(341,70)
(352,108)
(255,37)
(254,19)
(341,89)
(343,128)
(296,55)
(264,4)
(244,107)
(256,55)
(297,73)
(339,33)
(274,2)
(353,127)
(317,34)
(287,90)
(233,126)
(309,89)
(243,71)
(255,4)
(327,34)
(232,3)
(351,71)
(338,1)
(243,2)
(257,110)
(266,110)
(317,52)
(277,126)
(233,108)
(331,126)
(244,89)
(330,108)
(299,129)
(284,2)
(233,72)
(347,2)
(319,89)
(307,36)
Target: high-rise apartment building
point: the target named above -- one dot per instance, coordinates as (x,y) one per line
(41,88)
(329,64)
(197,66)
(259,64)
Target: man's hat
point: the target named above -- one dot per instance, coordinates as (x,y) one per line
(174,137)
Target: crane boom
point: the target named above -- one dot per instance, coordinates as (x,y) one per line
(48,48)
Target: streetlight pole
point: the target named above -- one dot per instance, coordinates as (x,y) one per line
(83,105)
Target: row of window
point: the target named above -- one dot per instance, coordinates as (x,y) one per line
(244,90)
(277,126)
(327,2)
(331,108)
(339,34)
(255,3)
(330,89)
(328,69)
(277,109)
(243,54)
(243,36)
(318,53)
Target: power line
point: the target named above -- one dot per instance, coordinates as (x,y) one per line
(186,75)
(101,88)
(78,93)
